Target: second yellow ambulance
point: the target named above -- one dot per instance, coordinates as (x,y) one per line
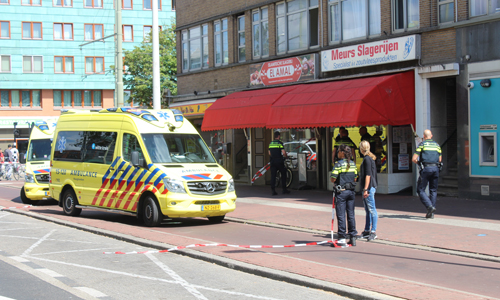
(152,164)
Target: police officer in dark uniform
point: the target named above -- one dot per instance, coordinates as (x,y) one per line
(365,136)
(344,176)
(346,140)
(277,153)
(428,155)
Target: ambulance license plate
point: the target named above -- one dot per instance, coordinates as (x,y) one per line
(210,207)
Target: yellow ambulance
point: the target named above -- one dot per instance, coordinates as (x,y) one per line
(151,164)
(36,180)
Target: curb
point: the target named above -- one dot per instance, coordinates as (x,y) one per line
(341,290)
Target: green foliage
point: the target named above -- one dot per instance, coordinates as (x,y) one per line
(138,74)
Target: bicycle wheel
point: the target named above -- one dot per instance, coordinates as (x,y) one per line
(289,177)
(15,175)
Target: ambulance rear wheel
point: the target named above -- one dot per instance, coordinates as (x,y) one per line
(217,219)
(151,215)
(69,203)
(25,199)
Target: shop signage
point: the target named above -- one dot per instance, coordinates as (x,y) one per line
(488,127)
(282,71)
(370,54)
(192,109)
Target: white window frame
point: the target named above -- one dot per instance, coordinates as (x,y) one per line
(32,64)
(260,23)
(405,17)
(10,64)
(241,45)
(490,10)
(445,3)
(186,42)
(219,46)
(286,15)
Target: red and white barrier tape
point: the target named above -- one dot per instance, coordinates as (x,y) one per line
(6,208)
(228,245)
(261,172)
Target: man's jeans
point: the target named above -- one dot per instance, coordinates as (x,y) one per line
(371,211)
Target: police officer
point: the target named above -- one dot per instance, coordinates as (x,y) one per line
(277,153)
(344,176)
(428,155)
(344,139)
(365,136)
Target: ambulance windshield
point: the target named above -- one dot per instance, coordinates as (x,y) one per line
(39,150)
(177,148)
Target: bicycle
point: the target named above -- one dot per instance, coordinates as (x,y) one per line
(289,174)
(18,171)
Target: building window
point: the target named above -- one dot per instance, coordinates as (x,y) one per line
(92,3)
(484,7)
(354,19)
(68,98)
(33,64)
(63,31)
(32,30)
(94,65)
(20,98)
(147,32)
(241,39)
(446,10)
(63,64)
(146,4)
(195,48)
(4,30)
(221,43)
(94,32)
(173,4)
(127,4)
(260,33)
(297,25)
(5,64)
(64,3)
(5,2)
(31,2)
(128,33)
(406,14)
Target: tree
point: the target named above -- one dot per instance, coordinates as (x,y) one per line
(138,74)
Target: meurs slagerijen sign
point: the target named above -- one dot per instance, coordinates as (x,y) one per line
(369,54)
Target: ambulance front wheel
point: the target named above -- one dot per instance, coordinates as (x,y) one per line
(25,199)
(69,203)
(151,214)
(217,219)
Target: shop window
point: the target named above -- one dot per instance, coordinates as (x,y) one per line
(297,25)
(260,33)
(484,7)
(4,30)
(195,48)
(221,43)
(446,10)
(241,39)
(487,149)
(406,15)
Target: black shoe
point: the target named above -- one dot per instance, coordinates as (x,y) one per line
(430,211)
(274,193)
(352,241)
(365,234)
(372,236)
(286,192)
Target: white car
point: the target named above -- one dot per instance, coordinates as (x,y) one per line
(307,147)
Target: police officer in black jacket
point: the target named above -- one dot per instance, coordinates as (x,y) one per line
(277,153)
(428,156)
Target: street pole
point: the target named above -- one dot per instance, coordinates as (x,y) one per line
(119,54)
(156,57)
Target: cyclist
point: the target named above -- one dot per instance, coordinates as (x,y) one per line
(8,162)
(277,153)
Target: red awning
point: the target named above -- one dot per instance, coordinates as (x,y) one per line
(381,100)
(247,109)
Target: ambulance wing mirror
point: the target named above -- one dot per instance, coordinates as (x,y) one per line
(136,162)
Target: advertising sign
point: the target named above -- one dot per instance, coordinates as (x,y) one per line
(370,54)
(192,109)
(281,71)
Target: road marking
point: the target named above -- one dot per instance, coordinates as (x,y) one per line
(361,212)
(5,298)
(193,291)
(73,251)
(50,272)
(92,292)
(19,259)
(28,251)
(35,238)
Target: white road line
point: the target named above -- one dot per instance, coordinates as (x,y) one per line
(91,292)
(28,251)
(361,212)
(176,277)
(73,251)
(5,298)
(19,259)
(50,272)
(35,238)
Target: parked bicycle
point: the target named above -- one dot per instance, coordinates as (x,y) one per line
(18,171)
(289,174)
